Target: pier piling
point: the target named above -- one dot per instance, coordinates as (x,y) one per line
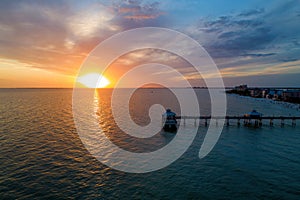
(271,122)
(260,122)
(294,123)
(227,121)
(282,122)
(238,122)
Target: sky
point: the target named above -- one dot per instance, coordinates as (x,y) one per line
(254,42)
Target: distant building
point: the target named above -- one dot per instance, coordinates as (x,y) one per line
(271,94)
(278,95)
(265,92)
(256,92)
(241,88)
(291,95)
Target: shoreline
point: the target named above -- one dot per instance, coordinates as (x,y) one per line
(291,96)
(285,104)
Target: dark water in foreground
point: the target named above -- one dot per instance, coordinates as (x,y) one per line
(43,157)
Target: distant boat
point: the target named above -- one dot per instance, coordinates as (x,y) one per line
(170,122)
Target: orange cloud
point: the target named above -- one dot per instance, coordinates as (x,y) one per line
(140,17)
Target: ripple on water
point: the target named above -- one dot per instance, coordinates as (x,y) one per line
(43,157)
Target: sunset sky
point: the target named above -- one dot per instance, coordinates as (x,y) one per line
(43,43)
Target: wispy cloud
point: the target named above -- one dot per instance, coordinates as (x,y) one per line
(138,10)
(56,36)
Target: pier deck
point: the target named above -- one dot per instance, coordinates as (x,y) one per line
(247,120)
(238,117)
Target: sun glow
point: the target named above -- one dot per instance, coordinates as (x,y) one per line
(93,80)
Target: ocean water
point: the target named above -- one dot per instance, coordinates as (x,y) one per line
(42,156)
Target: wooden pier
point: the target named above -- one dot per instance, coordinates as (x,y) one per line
(247,121)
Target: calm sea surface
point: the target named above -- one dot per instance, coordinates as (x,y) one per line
(42,156)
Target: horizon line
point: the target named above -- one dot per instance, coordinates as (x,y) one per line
(194,87)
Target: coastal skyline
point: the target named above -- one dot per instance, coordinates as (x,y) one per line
(43,43)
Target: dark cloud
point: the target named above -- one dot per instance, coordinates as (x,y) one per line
(237,34)
(296,43)
(252,12)
(289,59)
(260,54)
(272,80)
(271,34)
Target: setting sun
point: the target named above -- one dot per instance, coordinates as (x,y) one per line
(94,80)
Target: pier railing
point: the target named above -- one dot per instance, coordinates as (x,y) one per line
(247,120)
